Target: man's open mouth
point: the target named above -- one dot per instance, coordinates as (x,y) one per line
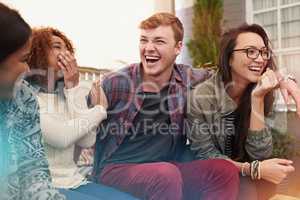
(152,59)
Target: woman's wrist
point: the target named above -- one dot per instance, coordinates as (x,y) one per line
(71,84)
(72,90)
(245,169)
(257,105)
(253,169)
(257,99)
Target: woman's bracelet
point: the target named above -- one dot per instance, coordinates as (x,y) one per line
(259,171)
(288,77)
(243,170)
(255,170)
(252,170)
(291,77)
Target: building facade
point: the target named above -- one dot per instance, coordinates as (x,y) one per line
(90,74)
(280,18)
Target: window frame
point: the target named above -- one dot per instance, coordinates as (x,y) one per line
(279,52)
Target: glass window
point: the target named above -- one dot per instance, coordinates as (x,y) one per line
(290,27)
(282,23)
(290,64)
(259,4)
(286,2)
(269,21)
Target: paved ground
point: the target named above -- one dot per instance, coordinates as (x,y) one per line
(283,197)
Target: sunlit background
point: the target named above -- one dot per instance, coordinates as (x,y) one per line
(105,33)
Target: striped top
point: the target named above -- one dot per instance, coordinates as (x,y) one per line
(230,133)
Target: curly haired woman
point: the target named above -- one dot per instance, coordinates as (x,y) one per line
(66,121)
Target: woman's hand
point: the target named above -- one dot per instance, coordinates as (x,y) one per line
(289,88)
(275,170)
(267,82)
(97,95)
(67,62)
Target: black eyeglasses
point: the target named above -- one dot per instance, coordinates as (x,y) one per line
(253,53)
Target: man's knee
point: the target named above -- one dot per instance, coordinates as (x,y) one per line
(164,181)
(167,174)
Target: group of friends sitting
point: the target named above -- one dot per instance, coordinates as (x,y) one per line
(158,130)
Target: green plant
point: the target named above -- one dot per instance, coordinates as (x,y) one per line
(284,145)
(204,45)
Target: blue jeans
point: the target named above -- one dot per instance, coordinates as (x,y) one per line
(93,191)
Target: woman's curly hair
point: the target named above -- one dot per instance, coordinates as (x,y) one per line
(41,46)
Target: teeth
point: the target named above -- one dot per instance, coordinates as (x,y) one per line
(152,57)
(255,68)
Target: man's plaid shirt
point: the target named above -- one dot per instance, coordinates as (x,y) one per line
(121,89)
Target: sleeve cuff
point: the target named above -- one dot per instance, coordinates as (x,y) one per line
(258,134)
(71,91)
(101,111)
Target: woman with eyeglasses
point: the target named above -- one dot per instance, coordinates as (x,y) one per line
(229,114)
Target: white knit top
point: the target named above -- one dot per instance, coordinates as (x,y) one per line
(65,122)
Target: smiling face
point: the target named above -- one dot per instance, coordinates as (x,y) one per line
(57,46)
(12,68)
(158,51)
(243,69)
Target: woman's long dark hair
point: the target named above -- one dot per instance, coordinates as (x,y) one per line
(242,122)
(14,33)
